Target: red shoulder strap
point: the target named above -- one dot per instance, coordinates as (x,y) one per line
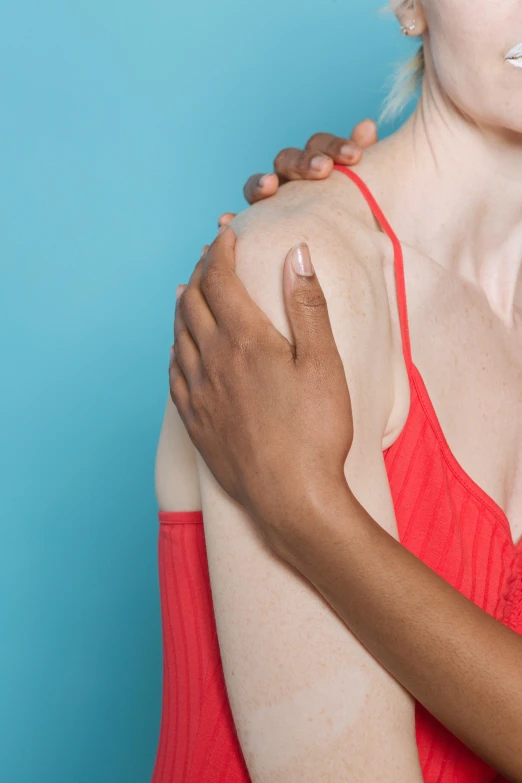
(398,259)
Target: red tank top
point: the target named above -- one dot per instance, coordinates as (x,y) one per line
(443,517)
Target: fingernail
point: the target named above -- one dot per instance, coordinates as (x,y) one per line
(301,261)
(261,181)
(348,151)
(172,354)
(318,161)
(179,291)
(222,229)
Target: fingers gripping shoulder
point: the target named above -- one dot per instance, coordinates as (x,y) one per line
(349,266)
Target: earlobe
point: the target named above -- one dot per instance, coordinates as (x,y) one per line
(414,27)
(409,28)
(411,17)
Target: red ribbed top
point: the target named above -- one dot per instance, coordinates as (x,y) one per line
(443,517)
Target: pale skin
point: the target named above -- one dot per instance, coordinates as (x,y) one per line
(314,162)
(465,297)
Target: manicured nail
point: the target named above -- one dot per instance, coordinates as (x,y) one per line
(261,181)
(318,161)
(348,151)
(301,260)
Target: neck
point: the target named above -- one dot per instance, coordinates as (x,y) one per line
(454,191)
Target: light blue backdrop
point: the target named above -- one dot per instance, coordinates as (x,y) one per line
(125,129)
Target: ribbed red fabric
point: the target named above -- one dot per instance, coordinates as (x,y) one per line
(443,517)
(198,740)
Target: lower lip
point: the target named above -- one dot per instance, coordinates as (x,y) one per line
(517,63)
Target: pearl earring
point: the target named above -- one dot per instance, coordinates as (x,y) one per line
(407,29)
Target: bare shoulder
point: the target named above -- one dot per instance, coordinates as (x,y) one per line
(331,211)
(349,257)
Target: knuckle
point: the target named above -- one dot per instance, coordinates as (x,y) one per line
(213,363)
(184,300)
(244,346)
(335,144)
(240,346)
(316,138)
(211,279)
(250,188)
(302,163)
(312,300)
(235,344)
(176,386)
(179,344)
(279,159)
(210,367)
(205,283)
(197,397)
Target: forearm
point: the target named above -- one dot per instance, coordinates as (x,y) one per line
(464,666)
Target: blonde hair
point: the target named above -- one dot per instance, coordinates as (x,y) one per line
(406,76)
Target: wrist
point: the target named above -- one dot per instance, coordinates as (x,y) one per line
(323,511)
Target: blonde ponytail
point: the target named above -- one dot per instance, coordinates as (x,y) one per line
(406,76)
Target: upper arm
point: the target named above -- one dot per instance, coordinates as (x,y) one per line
(309,702)
(176,475)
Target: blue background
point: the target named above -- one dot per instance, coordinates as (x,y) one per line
(126,128)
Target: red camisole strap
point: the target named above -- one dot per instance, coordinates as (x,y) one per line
(398,260)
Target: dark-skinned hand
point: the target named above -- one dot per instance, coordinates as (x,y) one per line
(316,161)
(271,419)
(252,376)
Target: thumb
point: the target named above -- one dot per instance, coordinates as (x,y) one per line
(305,305)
